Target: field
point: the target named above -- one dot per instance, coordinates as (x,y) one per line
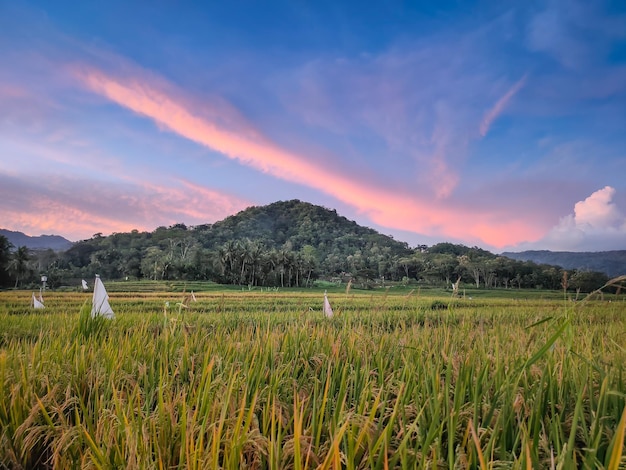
(261,379)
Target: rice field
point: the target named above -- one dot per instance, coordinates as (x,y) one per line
(263,380)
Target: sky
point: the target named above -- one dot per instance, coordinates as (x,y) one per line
(486,123)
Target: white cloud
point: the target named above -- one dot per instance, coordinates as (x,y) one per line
(598,211)
(597,224)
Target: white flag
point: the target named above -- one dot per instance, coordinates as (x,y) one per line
(37,303)
(328,311)
(85,286)
(100,304)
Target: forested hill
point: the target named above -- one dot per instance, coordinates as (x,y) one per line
(611,263)
(280,243)
(284,244)
(296,224)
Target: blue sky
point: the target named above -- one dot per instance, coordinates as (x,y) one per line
(483,123)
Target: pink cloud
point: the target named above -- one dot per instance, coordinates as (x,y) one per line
(246,145)
(443,177)
(187,202)
(9,90)
(54,216)
(78,208)
(497,109)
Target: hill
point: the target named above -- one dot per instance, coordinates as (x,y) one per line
(298,224)
(611,263)
(293,244)
(42,242)
(285,243)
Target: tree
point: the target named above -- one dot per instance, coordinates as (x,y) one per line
(19,264)
(131,264)
(444,266)
(255,259)
(154,263)
(284,263)
(488,272)
(309,261)
(408,265)
(587,281)
(245,257)
(5,257)
(473,267)
(228,257)
(44,259)
(449,249)
(504,270)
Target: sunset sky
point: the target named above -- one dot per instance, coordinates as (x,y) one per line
(496,124)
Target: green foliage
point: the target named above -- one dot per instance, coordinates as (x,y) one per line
(5,256)
(448,248)
(18,264)
(90,327)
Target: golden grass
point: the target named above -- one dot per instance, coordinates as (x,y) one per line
(259,380)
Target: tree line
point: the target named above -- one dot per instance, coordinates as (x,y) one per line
(174,254)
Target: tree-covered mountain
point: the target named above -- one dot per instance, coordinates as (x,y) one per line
(611,263)
(298,224)
(42,242)
(287,243)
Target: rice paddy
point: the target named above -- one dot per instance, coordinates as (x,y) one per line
(263,380)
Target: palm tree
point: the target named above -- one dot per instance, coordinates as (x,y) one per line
(227,254)
(18,265)
(308,264)
(245,255)
(255,257)
(284,261)
(298,266)
(5,258)
(268,266)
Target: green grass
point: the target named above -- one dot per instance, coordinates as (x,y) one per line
(260,379)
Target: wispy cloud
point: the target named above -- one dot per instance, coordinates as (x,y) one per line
(497,109)
(248,146)
(417,104)
(575,33)
(391,134)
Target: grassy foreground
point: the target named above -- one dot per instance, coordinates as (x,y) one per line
(263,380)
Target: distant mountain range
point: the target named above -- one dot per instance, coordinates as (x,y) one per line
(42,242)
(611,263)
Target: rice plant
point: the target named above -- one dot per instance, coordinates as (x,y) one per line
(266,381)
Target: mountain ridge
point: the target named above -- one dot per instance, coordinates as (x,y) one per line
(38,242)
(612,262)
